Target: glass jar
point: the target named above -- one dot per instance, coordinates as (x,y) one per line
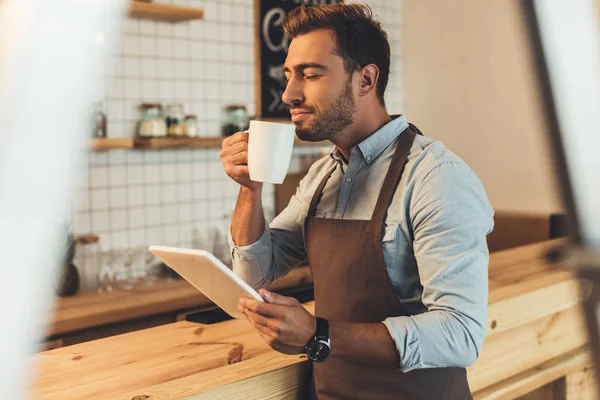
(87,255)
(151,121)
(175,120)
(99,121)
(235,119)
(191,125)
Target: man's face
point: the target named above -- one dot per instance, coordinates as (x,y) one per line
(319,89)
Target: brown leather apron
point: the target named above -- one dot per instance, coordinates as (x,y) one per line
(352,284)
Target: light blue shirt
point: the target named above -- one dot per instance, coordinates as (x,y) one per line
(434,243)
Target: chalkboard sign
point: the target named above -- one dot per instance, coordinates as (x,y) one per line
(272,46)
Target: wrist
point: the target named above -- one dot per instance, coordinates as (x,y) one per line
(255,189)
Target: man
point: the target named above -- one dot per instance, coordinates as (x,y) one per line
(392,224)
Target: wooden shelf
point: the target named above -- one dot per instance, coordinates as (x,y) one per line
(171,143)
(164,12)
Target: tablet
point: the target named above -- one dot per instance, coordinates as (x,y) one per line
(209,275)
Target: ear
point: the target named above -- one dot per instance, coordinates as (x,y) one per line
(368,76)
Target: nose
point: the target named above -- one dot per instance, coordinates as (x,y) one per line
(293,92)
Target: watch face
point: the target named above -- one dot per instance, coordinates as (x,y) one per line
(318,351)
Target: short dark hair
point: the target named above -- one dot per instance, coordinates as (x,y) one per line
(360,39)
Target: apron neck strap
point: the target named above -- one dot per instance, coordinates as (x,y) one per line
(319,192)
(394,174)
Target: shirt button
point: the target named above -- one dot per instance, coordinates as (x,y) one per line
(348,179)
(369,158)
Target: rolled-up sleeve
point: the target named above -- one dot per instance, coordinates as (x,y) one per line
(279,249)
(450,217)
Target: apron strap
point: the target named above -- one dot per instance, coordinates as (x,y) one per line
(319,192)
(394,173)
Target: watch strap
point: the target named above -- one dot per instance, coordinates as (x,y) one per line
(322,328)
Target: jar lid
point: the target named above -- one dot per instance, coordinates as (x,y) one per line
(234,107)
(150,105)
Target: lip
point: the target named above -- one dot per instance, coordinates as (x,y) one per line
(298,115)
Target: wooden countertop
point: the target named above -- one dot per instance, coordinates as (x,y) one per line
(91,309)
(229,360)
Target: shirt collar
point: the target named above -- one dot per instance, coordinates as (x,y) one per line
(373,146)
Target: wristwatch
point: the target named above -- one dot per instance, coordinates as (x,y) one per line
(318,348)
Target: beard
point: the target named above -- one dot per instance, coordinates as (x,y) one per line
(334,120)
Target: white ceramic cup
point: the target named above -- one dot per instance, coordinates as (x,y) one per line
(270,148)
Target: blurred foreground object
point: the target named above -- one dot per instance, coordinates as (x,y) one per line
(53,56)
(565,39)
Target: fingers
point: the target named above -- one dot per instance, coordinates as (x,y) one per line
(264,309)
(237,172)
(275,298)
(235,138)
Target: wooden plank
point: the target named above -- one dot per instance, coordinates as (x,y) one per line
(180,142)
(527,346)
(514,311)
(536,377)
(105,144)
(284,377)
(111,144)
(164,12)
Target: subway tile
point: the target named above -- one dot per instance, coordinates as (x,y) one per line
(172,235)
(169,214)
(118,197)
(118,175)
(152,174)
(135,174)
(182,91)
(99,199)
(197,29)
(118,219)
(148,27)
(185,213)
(184,192)
(81,200)
(184,172)
(149,68)
(168,193)
(169,172)
(153,215)
(164,47)
(135,156)
(164,29)
(81,223)
(180,48)
(130,45)
(137,217)
(119,240)
(181,30)
(132,89)
(115,109)
(100,221)
(137,238)
(148,46)
(136,196)
(98,177)
(152,195)
(115,128)
(182,69)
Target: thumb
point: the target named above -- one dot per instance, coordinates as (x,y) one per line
(275,298)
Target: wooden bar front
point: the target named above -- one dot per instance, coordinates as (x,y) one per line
(536,334)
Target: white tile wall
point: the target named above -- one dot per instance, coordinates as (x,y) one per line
(135,198)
